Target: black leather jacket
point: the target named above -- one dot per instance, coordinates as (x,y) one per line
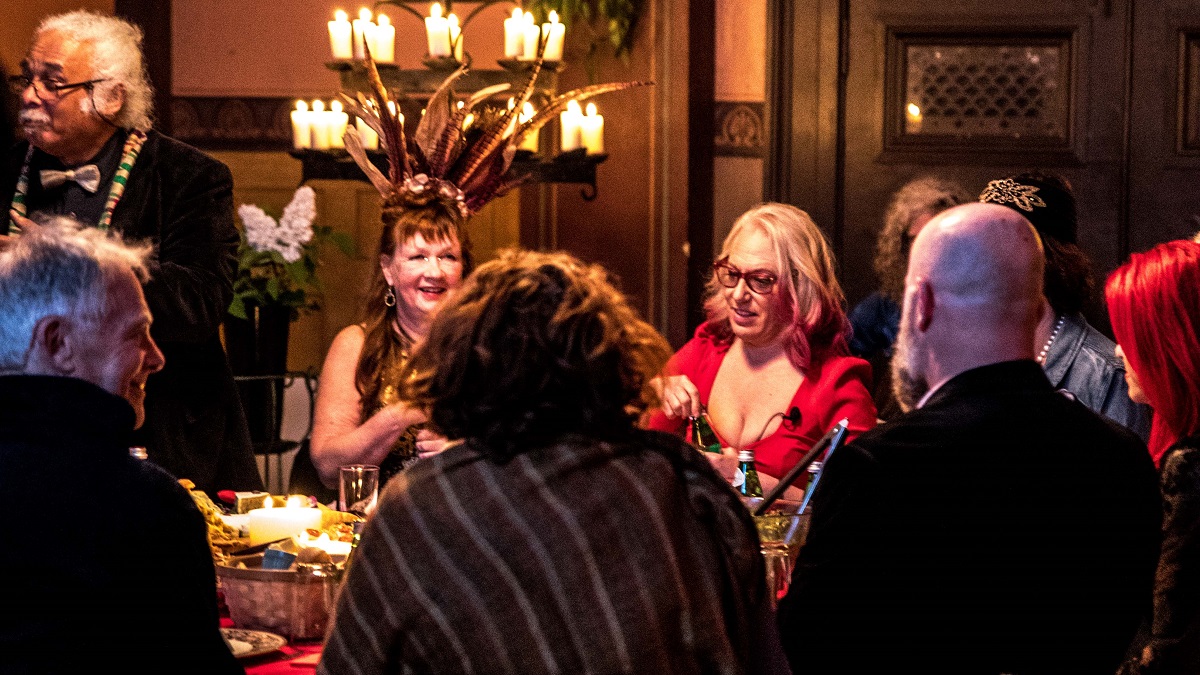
(1083,362)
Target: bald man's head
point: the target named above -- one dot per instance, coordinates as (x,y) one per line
(972,296)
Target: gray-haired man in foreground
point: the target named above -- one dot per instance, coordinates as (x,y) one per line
(109,569)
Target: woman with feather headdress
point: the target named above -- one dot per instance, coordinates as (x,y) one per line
(436,180)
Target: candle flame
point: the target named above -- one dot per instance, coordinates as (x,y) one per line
(340,16)
(302,106)
(268,503)
(436,11)
(914,110)
(573,107)
(336,106)
(364,14)
(318,105)
(517,14)
(323,538)
(384,20)
(591,110)
(296,501)
(453,20)
(553,16)
(529,18)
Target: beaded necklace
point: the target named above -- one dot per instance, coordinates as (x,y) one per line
(133,145)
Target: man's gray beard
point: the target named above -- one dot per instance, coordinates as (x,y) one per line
(907,387)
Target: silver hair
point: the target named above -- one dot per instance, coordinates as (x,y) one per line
(116,58)
(60,269)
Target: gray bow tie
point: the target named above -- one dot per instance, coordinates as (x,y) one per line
(88,177)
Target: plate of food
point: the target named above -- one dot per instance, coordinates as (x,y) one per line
(249,643)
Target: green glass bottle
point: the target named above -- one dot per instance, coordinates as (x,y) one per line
(745,479)
(700,434)
(358,528)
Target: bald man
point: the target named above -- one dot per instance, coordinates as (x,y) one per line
(997,527)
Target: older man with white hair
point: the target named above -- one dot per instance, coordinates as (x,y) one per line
(107,560)
(997,527)
(86,107)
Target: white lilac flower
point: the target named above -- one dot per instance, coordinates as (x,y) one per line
(289,234)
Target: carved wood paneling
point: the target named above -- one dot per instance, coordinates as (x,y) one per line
(242,123)
(740,130)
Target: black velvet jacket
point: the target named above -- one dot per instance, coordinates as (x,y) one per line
(181,200)
(105,561)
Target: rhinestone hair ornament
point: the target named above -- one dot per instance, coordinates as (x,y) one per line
(442,161)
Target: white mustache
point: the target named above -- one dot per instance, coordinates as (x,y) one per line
(34,117)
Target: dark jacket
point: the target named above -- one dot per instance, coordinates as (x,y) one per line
(1001,528)
(181,200)
(106,563)
(1082,361)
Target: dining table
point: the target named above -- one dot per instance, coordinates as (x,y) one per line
(297,657)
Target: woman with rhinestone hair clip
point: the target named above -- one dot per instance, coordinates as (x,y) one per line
(1077,358)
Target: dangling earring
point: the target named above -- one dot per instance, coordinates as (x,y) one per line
(389,297)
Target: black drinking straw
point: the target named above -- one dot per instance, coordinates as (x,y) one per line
(794,473)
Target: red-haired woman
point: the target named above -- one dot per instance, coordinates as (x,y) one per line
(1154,302)
(774,344)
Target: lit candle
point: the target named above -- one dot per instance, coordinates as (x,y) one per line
(367,136)
(384,49)
(533,36)
(324,543)
(364,31)
(269,524)
(437,32)
(456,42)
(514,35)
(339,36)
(320,125)
(913,115)
(570,121)
(554,33)
(301,126)
(591,130)
(337,125)
(530,142)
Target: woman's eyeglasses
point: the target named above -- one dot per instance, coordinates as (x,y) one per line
(762,283)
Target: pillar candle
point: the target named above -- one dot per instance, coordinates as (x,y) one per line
(384,49)
(269,524)
(301,126)
(533,36)
(591,129)
(530,142)
(320,125)
(340,41)
(367,135)
(456,41)
(437,32)
(338,121)
(363,32)
(553,33)
(514,35)
(570,122)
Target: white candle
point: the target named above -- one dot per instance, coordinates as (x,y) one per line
(320,125)
(324,543)
(591,129)
(437,32)
(456,42)
(514,35)
(367,136)
(340,36)
(554,33)
(337,125)
(384,49)
(301,126)
(530,142)
(570,121)
(269,524)
(533,36)
(364,31)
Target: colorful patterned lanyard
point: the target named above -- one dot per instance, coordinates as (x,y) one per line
(133,145)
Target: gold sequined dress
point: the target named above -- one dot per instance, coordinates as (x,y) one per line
(404,452)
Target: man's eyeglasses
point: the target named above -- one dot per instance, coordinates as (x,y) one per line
(48,91)
(762,283)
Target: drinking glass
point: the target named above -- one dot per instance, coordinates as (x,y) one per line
(781,531)
(358,488)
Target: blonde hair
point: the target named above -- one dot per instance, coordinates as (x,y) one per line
(807,282)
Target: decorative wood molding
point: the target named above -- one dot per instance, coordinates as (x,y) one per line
(243,123)
(1188,116)
(740,129)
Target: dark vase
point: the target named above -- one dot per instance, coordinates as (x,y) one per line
(257,349)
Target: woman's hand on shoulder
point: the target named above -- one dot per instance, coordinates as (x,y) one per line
(678,397)
(430,443)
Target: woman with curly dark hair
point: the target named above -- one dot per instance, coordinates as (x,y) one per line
(557,536)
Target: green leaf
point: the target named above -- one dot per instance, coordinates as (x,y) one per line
(238,308)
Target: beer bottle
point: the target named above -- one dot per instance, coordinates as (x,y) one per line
(700,434)
(745,479)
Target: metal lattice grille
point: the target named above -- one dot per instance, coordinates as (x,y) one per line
(1000,90)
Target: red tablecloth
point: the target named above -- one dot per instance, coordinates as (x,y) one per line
(296,658)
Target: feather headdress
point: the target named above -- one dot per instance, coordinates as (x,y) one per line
(441,161)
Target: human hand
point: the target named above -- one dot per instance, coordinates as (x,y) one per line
(678,396)
(25,224)
(430,443)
